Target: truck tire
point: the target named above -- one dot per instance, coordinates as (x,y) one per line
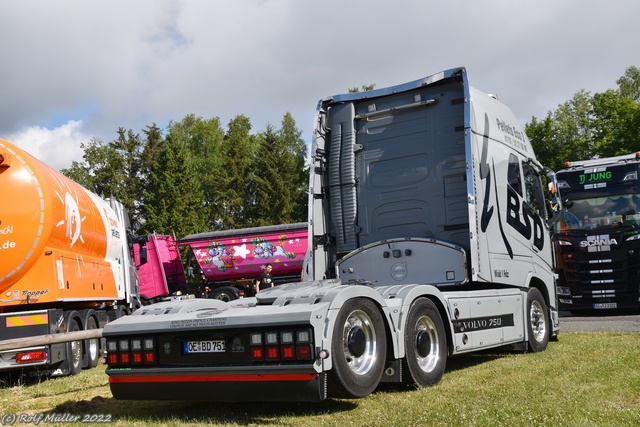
(425,345)
(537,321)
(224,294)
(92,347)
(358,349)
(121,311)
(74,349)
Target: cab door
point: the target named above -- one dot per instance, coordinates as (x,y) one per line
(535,209)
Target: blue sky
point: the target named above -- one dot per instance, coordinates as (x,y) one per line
(73,70)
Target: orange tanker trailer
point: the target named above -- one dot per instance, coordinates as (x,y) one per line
(64,264)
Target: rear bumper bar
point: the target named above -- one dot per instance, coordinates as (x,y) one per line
(218,387)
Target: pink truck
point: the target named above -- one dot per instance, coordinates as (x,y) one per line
(226,262)
(160,268)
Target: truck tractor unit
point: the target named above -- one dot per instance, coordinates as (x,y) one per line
(160,268)
(428,237)
(598,235)
(65,265)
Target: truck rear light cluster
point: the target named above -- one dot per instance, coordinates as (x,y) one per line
(31,356)
(281,346)
(131,351)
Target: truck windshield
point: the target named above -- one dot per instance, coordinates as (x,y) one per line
(600,212)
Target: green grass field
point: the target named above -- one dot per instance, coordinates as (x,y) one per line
(584,379)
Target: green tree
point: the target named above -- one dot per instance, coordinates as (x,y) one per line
(173,200)
(199,177)
(269,198)
(152,148)
(279,184)
(574,132)
(97,171)
(365,88)
(126,186)
(150,176)
(616,124)
(203,138)
(605,124)
(231,179)
(82,172)
(112,170)
(542,135)
(629,84)
(298,169)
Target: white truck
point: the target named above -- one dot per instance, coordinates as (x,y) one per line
(428,238)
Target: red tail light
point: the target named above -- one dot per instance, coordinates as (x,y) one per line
(136,351)
(272,353)
(31,356)
(304,352)
(288,345)
(257,353)
(288,353)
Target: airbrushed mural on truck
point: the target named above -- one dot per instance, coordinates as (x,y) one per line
(230,260)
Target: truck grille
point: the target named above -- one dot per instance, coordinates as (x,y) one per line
(602,270)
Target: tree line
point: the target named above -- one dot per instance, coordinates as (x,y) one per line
(196,176)
(588,126)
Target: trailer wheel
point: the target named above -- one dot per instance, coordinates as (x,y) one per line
(121,311)
(537,321)
(425,345)
(92,346)
(224,295)
(74,350)
(358,349)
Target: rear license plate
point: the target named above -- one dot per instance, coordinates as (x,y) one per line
(605,305)
(207,346)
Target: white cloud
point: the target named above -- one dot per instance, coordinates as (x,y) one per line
(117,63)
(56,147)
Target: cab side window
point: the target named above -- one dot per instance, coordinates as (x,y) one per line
(534,195)
(513,174)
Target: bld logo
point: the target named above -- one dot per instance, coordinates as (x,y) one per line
(524,220)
